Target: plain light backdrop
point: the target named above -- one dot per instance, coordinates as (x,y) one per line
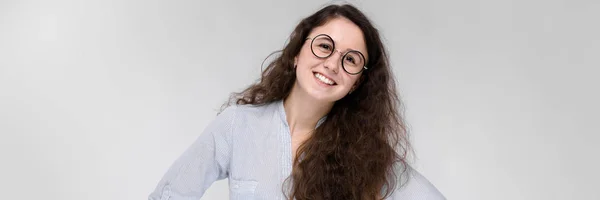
(99,97)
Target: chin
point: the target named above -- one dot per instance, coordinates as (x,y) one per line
(320,96)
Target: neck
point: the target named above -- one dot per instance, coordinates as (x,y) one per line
(303,113)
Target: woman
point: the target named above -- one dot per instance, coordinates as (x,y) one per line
(322,123)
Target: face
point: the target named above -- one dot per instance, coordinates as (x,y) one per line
(323,78)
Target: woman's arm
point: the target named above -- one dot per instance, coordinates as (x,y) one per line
(206,161)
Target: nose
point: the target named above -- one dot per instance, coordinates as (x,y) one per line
(333,62)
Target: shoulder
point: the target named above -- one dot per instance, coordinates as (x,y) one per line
(244,123)
(248,112)
(413,185)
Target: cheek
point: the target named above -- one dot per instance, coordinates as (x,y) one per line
(351,80)
(306,58)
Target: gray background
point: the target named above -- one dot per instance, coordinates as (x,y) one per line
(98,98)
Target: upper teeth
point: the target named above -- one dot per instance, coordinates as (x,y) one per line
(324,79)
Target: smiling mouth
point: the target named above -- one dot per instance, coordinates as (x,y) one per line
(324,79)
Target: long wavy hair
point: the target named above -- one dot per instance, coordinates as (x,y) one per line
(357,151)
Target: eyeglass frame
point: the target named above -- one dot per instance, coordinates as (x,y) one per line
(334,50)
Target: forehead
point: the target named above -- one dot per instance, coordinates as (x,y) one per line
(344,33)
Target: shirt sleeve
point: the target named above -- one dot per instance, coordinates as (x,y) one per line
(204,162)
(416,187)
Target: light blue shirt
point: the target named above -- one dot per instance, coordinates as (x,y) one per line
(251,145)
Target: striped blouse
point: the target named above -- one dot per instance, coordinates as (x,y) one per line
(251,145)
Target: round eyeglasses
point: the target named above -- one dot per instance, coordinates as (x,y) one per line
(353,62)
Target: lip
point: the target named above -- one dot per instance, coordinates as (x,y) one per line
(321,83)
(326,76)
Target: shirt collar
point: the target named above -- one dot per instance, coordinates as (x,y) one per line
(281,111)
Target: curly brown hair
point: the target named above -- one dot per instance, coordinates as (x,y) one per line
(357,151)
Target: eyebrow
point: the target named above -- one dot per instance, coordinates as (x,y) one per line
(345,50)
(349,49)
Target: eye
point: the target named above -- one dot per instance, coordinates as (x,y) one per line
(350,59)
(325,46)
